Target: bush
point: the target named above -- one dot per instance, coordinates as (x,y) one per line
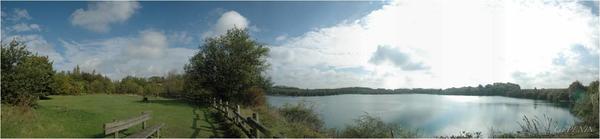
(273,119)
(587,108)
(130,87)
(463,134)
(367,126)
(25,77)
(254,96)
(303,114)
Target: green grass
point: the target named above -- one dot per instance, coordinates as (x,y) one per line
(83,116)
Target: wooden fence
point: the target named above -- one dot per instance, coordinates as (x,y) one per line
(249,125)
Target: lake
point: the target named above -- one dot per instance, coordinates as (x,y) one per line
(433,115)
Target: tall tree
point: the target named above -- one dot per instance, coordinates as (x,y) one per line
(229,65)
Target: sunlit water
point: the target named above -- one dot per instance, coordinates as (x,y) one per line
(433,115)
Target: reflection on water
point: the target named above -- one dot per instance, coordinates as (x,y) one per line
(434,115)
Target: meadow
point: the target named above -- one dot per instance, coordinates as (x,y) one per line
(84,116)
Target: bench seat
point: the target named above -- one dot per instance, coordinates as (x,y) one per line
(147,132)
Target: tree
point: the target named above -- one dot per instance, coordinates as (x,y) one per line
(576,91)
(229,65)
(62,84)
(97,86)
(130,86)
(152,89)
(173,84)
(587,108)
(25,77)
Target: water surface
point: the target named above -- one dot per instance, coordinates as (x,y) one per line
(433,115)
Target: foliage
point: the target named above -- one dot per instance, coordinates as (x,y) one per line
(152,89)
(545,127)
(538,126)
(273,119)
(587,108)
(173,85)
(367,126)
(462,135)
(131,85)
(254,96)
(25,77)
(77,82)
(302,114)
(229,65)
(576,91)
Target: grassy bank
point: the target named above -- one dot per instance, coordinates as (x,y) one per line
(83,116)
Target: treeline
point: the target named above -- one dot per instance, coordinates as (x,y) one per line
(495,89)
(77,82)
(26,77)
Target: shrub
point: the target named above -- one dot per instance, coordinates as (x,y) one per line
(303,114)
(25,77)
(130,87)
(254,96)
(587,108)
(463,134)
(367,126)
(281,127)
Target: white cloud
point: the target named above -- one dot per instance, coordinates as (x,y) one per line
(575,63)
(281,38)
(150,44)
(181,38)
(227,21)
(147,54)
(18,14)
(463,43)
(20,31)
(99,15)
(23,27)
(386,54)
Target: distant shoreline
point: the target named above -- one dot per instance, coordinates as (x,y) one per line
(496,89)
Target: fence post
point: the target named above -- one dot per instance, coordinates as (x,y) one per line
(214,103)
(144,122)
(237,110)
(226,109)
(220,106)
(256,132)
(158,133)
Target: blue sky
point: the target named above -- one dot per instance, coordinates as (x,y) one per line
(380,44)
(271,19)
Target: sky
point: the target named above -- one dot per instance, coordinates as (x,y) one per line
(315,44)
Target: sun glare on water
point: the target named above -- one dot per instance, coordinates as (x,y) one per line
(469,99)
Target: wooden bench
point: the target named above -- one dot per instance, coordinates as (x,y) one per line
(116,126)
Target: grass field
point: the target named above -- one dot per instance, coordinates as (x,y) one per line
(83,116)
